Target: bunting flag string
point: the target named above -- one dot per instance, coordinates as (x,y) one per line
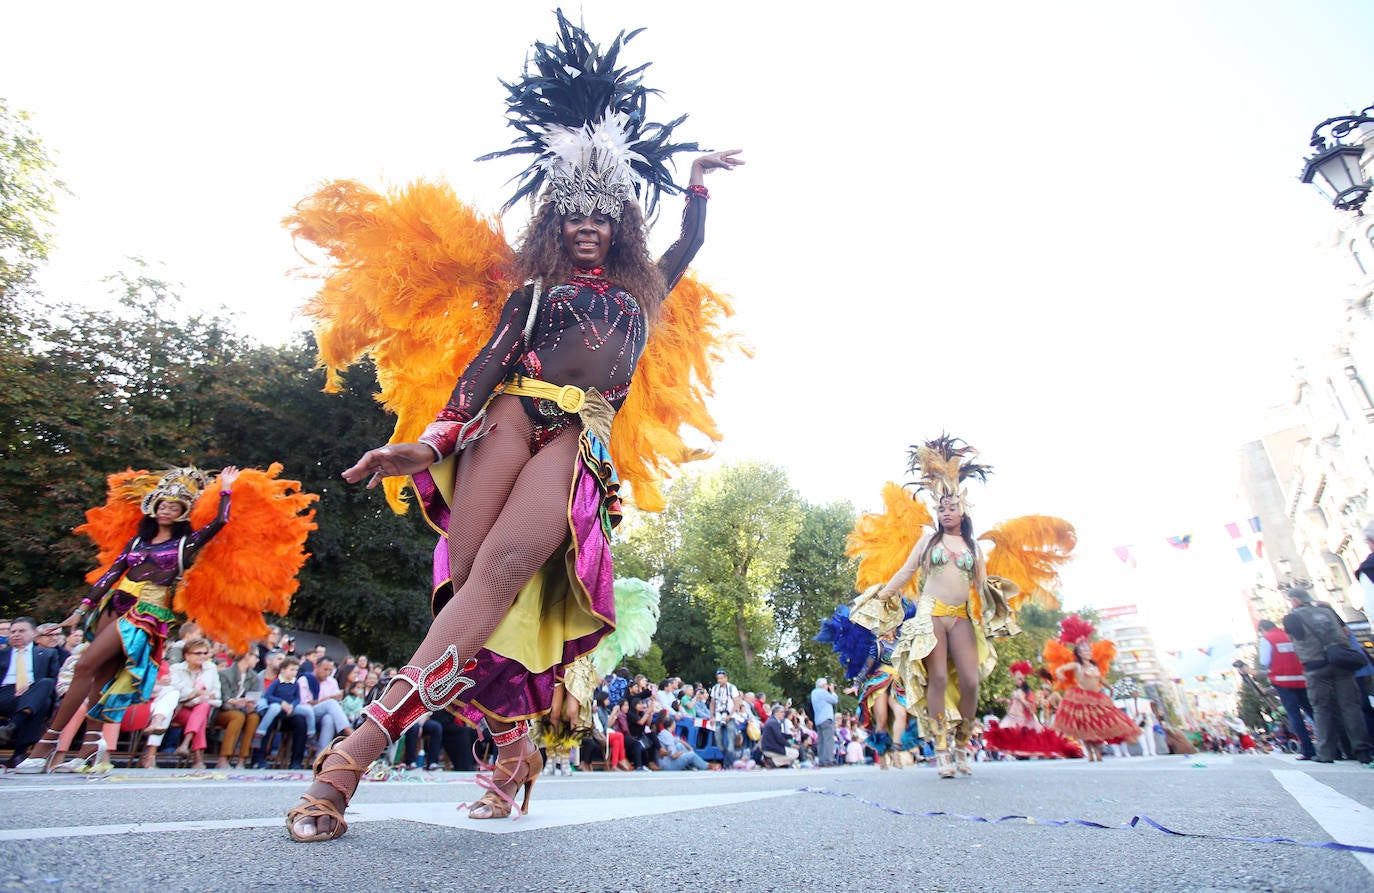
(1246,538)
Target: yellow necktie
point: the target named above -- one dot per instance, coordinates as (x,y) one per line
(21,674)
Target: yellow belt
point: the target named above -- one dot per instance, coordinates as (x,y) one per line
(151,593)
(569,398)
(940,609)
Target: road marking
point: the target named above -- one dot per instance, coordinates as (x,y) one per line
(1346,820)
(543,814)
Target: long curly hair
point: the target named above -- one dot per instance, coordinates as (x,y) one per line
(542,255)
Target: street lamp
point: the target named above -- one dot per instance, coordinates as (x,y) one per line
(1335,168)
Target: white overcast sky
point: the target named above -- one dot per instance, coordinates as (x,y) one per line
(1068,232)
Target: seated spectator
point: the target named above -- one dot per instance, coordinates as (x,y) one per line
(604,742)
(415,756)
(241,689)
(162,708)
(687,701)
(776,750)
(315,655)
(267,646)
(458,740)
(321,695)
(283,699)
(674,754)
(49,635)
(176,647)
(28,688)
(197,683)
(353,703)
(636,755)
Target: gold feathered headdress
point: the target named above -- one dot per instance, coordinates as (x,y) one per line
(181,485)
(943,465)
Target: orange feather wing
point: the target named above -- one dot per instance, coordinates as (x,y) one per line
(883,541)
(112,525)
(416,280)
(1029,551)
(250,566)
(675,375)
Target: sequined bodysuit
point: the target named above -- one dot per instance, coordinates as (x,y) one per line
(158,564)
(588,332)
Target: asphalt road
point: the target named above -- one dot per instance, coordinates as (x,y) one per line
(805,830)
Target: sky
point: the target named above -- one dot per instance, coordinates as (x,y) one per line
(1070,233)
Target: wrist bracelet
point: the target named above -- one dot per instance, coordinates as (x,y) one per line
(224,493)
(696,189)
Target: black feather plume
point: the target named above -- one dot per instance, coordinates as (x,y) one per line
(572,83)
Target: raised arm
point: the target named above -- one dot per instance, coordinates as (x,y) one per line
(197,540)
(676,259)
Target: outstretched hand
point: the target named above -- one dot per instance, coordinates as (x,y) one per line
(227,476)
(722,160)
(392,460)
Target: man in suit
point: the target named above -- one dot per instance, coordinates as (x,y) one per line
(28,685)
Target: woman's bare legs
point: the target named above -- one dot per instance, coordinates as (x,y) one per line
(963,651)
(937,680)
(98,665)
(509,514)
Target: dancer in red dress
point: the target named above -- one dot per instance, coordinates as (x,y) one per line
(1020,733)
(1087,712)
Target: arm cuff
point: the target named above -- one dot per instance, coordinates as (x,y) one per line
(442,437)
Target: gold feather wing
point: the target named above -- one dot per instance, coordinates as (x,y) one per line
(417,279)
(883,540)
(1029,551)
(674,377)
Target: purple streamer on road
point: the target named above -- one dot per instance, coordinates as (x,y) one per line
(1135,821)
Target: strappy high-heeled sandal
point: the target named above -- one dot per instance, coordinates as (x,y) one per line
(96,762)
(507,772)
(41,765)
(316,808)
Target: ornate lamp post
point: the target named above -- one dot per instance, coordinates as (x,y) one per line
(1334,170)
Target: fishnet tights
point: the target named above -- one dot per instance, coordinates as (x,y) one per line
(509,514)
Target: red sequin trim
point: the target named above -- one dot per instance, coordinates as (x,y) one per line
(695,189)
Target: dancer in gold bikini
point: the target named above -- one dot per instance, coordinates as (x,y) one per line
(953,574)
(963,597)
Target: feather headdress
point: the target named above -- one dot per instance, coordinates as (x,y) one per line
(1021,666)
(583,118)
(1074,630)
(943,465)
(181,485)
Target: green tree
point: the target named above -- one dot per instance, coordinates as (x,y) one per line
(817,577)
(97,391)
(28,189)
(736,537)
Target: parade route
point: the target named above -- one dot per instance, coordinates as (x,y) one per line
(138,830)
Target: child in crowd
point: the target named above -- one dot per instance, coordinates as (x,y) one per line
(283,696)
(352,702)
